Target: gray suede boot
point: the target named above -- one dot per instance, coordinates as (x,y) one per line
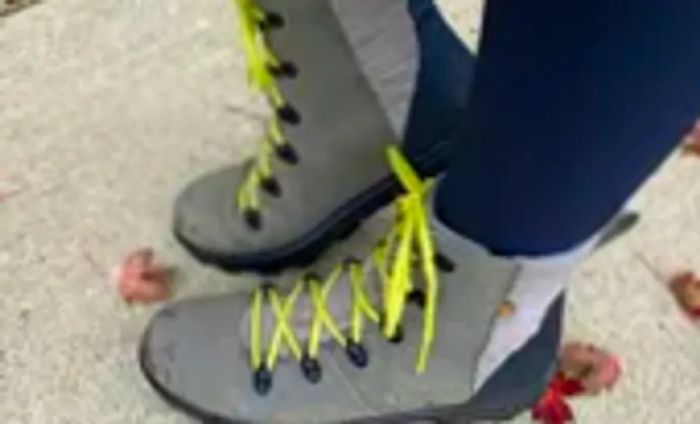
(400,337)
(342,78)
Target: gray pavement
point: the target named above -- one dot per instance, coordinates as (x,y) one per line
(107,108)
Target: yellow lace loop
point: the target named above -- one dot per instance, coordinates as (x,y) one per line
(394,258)
(413,209)
(259,60)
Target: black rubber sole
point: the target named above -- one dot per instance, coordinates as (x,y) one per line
(340,224)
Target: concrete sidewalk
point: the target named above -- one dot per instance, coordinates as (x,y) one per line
(107,108)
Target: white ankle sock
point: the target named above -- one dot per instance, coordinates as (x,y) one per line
(538,284)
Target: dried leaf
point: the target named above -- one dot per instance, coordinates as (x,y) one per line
(143,280)
(685,287)
(583,370)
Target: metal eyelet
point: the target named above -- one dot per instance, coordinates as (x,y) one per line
(357,354)
(271,21)
(351,261)
(398,334)
(262,380)
(284,69)
(311,369)
(444,263)
(253,218)
(287,153)
(288,114)
(417,297)
(271,186)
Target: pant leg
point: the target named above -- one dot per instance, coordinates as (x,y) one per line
(443,82)
(574,105)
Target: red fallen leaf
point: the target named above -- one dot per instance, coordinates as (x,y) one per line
(141,279)
(691,149)
(685,287)
(552,407)
(7,195)
(583,370)
(691,142)
(595,368)
(608,373)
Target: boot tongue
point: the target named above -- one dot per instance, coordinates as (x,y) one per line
(338,305)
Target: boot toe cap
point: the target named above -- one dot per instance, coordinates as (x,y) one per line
(192,356)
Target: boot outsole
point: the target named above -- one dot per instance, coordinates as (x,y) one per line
(338,226)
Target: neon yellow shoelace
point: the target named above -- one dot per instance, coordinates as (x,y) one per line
(260,60)
(393,258)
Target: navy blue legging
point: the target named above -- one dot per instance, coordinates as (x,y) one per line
(573,105)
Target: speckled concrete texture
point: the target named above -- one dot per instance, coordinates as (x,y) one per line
(107,108)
